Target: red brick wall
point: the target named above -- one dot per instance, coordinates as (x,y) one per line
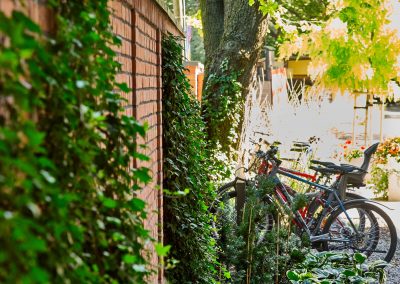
(33,8)
(140,24)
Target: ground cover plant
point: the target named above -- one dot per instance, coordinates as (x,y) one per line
(331,267)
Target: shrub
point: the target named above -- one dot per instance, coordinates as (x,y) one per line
(253,252)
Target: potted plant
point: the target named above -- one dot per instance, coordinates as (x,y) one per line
(353,154)
(388,153)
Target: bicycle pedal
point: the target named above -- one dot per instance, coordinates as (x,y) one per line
(319,238)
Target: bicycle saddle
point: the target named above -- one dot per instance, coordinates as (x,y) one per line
(331,168)
(345,168)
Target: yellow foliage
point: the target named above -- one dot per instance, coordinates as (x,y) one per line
(358,48)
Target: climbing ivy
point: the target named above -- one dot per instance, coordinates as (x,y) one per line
(223,107)
(68,211)
(188,165)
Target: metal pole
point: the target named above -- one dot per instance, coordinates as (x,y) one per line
(366,119)
(354,117)
(381,123)
(240,200)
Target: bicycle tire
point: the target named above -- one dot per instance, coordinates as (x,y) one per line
(378,213)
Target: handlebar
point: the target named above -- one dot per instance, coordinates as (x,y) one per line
(270,155)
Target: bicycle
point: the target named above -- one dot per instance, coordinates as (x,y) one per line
(332,224)
(324,172)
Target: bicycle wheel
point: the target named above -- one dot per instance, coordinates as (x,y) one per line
(372,232)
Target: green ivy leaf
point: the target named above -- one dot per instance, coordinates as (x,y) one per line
(162,250)
(142,174)
(26,21)
(349,272)
(34,244)
(129,259)
(359,257)
(124,87)
(109,203)
(137,204)
(38,275)
(292,275)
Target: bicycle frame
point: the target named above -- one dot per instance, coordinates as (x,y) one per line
(284,199)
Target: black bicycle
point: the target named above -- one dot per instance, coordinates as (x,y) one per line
(357,225)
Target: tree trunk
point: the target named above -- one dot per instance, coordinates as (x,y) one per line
(213,25)
(239,46)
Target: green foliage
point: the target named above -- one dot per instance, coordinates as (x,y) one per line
(330,268)
(258,250)
(67,214)
(355,48)
(305,10)
(353,154)
(223,106)
(390,148)
(197,46)
(299,201)
(187,165)
(380,181)
(294,13)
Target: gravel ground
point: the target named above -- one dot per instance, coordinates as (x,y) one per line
(393,272)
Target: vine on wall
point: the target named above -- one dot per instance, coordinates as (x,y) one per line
(67,208)
(188,165)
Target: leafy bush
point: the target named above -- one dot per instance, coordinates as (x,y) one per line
(67,208)
(254,251)
(353,154)
(330,267)
(188,165)
(380,180)
(389,148)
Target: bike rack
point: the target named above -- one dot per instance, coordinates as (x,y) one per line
(240,189)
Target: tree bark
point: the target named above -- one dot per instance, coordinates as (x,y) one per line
(241,43)
(213,23)
(243,40)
